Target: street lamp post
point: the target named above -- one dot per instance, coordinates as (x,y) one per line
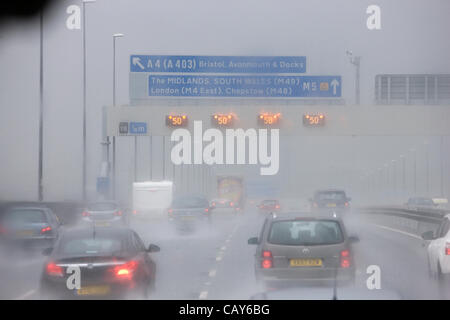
(403,173)
(394,177)
(115,36)
(415,170)
(84,96)
(427,169)
(41,107)
(356,61)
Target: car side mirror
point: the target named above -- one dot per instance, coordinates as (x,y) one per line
(253,240)
(153,248)
(46,252)
(428,235)
(353,239)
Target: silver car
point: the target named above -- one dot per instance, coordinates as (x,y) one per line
(104,214)
(29,227)
(297,248)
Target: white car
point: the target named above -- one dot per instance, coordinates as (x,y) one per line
(439,249)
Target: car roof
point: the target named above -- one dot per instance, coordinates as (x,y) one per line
(87,231)
(12,208)
(286,216)
(329,190)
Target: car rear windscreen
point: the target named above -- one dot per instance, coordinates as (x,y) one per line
(190,202)
(90,246)
(24,216)
(305,232)
(102,206)
(331,195)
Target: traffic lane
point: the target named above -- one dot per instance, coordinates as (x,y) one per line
(183,264)
(402,261)
(400,256)
(20,272)
(233,277)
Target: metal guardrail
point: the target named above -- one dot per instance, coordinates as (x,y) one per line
(419,214)
(414,221)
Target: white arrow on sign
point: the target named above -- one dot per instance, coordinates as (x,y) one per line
(334,84)
(137,61)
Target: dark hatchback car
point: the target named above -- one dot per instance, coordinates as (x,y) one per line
(298,248)
(113,263)
(330,200)
(267,206)
(189,211)
(29,227)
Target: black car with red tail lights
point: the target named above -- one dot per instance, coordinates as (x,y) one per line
(296,248)
(109,263)
(330,200)
(188,212)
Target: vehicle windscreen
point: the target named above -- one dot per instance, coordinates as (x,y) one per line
(24,216)
(102,206)
(425,202)
(330,196)
(90,246)
(305,232)
(190,202)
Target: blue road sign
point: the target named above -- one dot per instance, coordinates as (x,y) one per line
(138,128)
(217,64)
(102,185)
(244,86)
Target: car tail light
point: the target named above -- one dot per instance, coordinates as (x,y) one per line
(85,214)
(46,229)
(2,230)
(346,204)
(231,204)
(53,270)
(345,259)
(447,249)
(126,270)
(134,211)
(213,204)
(206,209)
(315,204)
(277,206)
(267,259)
(118,213)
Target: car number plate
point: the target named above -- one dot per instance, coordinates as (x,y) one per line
(331,205)
(306,262)
(93,290)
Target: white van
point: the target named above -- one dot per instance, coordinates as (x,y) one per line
(151,198)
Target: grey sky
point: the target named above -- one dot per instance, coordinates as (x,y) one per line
(413,39)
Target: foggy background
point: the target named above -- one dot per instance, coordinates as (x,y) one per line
(412,40)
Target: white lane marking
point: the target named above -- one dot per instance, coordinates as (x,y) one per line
(218,258)
(212,273)
(223,248)
(203,295)
(26,295)
(228,240)
(208,283)
(398,231)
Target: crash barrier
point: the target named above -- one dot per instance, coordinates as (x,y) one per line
(412,220)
